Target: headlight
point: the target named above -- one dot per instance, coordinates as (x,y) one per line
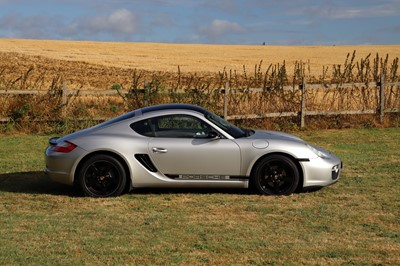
(318,152)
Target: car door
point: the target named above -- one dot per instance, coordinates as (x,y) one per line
(182,146)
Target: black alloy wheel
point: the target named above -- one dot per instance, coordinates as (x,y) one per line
(102,176)
(276,175)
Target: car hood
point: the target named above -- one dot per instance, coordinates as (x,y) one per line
(276,135)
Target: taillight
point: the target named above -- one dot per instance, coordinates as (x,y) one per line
(64,146)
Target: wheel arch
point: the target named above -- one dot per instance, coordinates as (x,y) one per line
(110,153)
(295,161)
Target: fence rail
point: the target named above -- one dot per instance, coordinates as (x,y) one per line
(227,91)
(304,112)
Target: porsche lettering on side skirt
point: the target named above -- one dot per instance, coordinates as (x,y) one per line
(204,177)
(207,177)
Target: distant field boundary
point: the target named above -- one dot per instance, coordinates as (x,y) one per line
(303,88)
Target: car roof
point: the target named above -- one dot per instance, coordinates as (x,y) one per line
(172,106)
(155,108)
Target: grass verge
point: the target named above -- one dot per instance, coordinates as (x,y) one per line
(355,221)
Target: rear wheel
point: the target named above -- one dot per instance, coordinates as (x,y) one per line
(102,176)
(276,175)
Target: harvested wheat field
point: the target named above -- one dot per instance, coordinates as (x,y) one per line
(190,57)
(98,65)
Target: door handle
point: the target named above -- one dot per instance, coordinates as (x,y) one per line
(159,150)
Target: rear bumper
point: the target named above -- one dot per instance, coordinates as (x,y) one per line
(60,177)
(60,166)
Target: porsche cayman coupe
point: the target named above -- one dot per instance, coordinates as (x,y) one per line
(181,145)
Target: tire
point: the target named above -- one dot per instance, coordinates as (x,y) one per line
(276,175)
(102,176)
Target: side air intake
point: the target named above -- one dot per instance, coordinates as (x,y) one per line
(145,160)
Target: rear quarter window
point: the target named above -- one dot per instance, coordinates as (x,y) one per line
(143,128)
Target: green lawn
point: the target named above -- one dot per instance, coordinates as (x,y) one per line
(353,222)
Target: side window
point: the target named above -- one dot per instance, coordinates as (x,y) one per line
(180,126)
(172,126)
(143,128)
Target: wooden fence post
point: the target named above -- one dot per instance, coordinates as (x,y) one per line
(64,99)
(382,98)
(303,103)
(226,100)
(146,94)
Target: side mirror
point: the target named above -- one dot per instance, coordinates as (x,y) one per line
(213,135)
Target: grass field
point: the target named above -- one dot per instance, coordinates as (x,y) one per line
(354,222)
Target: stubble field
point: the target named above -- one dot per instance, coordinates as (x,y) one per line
(195,70)
(99,65)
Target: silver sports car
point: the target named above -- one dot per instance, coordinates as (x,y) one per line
(180,145)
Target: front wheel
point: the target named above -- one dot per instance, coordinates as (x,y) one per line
(276,175)
(102,176)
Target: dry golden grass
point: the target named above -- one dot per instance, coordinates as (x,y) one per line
(190,57)
(36,64)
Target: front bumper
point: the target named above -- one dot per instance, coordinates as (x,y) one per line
(320,172)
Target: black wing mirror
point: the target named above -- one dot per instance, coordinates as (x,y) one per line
(213,135)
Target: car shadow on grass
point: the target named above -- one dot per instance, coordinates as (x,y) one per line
(35,182)
(165,191)
(233,191)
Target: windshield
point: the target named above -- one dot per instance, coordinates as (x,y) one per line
(226,126)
